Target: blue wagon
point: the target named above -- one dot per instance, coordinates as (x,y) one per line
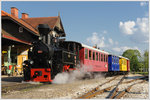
(113,63)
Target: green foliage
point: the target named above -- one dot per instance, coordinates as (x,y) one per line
(134,56)
(146,59)
(137,63)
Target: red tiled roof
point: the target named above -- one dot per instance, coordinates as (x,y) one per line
(51,21)
(32,23)
(3,13)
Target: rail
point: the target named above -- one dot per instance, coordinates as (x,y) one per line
(114,93)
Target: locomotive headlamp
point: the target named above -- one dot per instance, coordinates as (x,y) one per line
(40,38)
(49,61)
(23,64)
(31,62)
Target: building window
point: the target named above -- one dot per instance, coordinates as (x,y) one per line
(86,53)
(96,56)
(101,57)
(20,29)
(93,55)
(90,55)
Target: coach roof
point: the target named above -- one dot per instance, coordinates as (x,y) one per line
(123,57)
(86,46)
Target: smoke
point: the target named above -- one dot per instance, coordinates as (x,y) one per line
(31,82)
(68,77)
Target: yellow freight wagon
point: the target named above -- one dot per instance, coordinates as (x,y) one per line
(123,64)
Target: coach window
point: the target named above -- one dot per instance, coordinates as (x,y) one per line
(101,57)
(86,53)
(96,56)
(112,59)
(116,60)
(90,54)
(104,58)
(93,55)
(124,62)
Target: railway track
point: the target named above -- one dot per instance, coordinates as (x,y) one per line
(113,90)
(95,91)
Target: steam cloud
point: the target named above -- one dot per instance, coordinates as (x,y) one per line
(31,82)
(68,77)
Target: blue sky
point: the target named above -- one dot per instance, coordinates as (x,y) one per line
(113,26)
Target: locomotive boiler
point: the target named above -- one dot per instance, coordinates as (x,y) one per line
(49,55)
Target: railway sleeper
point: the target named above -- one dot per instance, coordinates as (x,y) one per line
(96,89)
(121,94)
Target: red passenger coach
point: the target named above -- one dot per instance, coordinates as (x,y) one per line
(94,59)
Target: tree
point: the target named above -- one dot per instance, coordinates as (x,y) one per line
(134,56)
(146,59)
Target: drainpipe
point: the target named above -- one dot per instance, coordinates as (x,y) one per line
(9,53)
(9,60)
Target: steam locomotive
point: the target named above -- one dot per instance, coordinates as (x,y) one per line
(48,56)
(51,55)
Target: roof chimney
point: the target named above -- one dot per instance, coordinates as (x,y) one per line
(25,15)
(14,12)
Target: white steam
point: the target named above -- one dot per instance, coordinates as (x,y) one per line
(68,77)
(31,82)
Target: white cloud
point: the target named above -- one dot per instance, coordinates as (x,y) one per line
(123,48)
(116,43)
(127,27)
(104,31)
(143,3)
(138,30)
(100,41)
(143,26)
(110,41)
(147,41)
(116,49)
(96,40)
(146,14)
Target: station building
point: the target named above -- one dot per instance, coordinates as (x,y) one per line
(17,34)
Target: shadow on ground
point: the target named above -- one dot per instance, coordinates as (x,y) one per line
(136,77)
(12,79)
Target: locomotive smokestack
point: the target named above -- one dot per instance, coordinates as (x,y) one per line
(44,29)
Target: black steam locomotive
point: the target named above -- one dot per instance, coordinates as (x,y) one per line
(49,55)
